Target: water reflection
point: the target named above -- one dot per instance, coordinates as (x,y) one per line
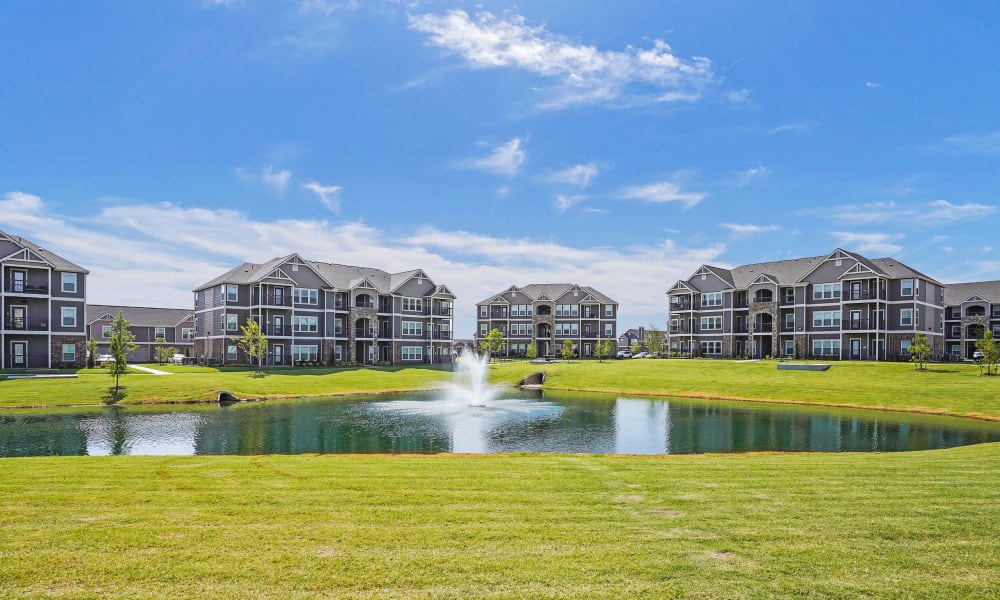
(425,424)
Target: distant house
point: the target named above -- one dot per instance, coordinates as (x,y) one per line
(174,325)
(626,339)
(318,312)
(42,300)
(546,315)
(970,310)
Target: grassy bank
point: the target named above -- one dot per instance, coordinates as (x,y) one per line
(922,525)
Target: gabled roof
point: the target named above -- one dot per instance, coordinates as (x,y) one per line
(140,316)
(36,252)
(959,293)
(551,292)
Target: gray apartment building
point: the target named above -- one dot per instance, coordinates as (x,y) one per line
(842,305)
(173,325)
(970,310)
(547,315)
(42,301)
(317,312)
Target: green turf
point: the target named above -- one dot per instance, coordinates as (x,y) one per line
(908,525)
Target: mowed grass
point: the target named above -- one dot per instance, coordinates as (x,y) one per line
(913,525)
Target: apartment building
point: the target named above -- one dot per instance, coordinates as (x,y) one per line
(970,310)
(318,312)
(42,301)
(547,315)
(173,325)
(842,305)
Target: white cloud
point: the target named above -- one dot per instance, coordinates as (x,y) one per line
(664,191)
(790,128)
(984,143)
(931,213)
(327,194)
(580,73)
(155,254)
(506,159)
(577,175)
(277,181)
(865,243)
(742,229)
(872,84)
(564,203)
(743,178)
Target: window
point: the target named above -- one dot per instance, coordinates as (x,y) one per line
(789,347)
(906,287)
(304,353)
(69,282)
(830,318)
(608,330)
(482,329)
(187,333)
(824,291)
(413,353)
(338,353)
(413,328)
(232,293)
(906,316)
(574,329)
(713,299)
(789,295)
(68,353)
(232,323)
(609,310)
(789,320)
(105,331)
(68,317)
(413,304)
(904,347)
(711,323)
(160,333)
(231,352)
(305,296)
(483,311)
(826,347)
(305,324)
(711,348)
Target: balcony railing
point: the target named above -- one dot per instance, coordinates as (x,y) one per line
(271,300)
(862,324)
(763,328)
(364,332)
(442,335)
(22,324)
(285,330)
(22,287)
(863,295)
(680,306)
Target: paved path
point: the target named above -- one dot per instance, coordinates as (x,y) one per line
(148,370)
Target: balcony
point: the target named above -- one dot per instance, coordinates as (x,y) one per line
(863,295)
(278,331)
(740,328)
(437,311)
(763,328)
(23,324)
(22,287)
(364,332)
(862,324)
(442,335)
(686,305)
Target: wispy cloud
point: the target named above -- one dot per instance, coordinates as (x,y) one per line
(790,128)
(577,175)
(277,181)
(874,243)
(564,202)
(327,194)
(980,143)
(744,177)
(872,84)
(505,159)
(743,229)
(931,213)
(580,74)
(664,191)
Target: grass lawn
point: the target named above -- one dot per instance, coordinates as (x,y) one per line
(916,525)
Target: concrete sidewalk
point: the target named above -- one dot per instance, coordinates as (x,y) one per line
(148,370)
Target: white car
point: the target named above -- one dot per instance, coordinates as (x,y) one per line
(641,355)
(624,354)
(177,359)
(104,358)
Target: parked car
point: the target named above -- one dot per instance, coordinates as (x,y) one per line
(104,358)
(177,359)
(624,354)
(641,355)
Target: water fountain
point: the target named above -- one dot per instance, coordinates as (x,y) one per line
(470,387)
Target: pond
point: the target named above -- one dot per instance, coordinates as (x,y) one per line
(517,422)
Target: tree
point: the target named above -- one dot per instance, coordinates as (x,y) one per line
(91,353)
(162,352)
(121,340)
(567,350)
(635,347)
(532,352)
(654,340)
(492,344)
(991,353)
(253,343)
(610,347)
(920,350)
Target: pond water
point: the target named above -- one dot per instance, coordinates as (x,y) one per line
(517,422)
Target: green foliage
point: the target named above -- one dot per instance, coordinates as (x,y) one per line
(532,352)
(162,352)
(121,341)
(920,350)
(610,347)
(91,353)
(654,339)
(635,347)
(567,350)
(253,343)
(492,344)
(600,350)
(991,353)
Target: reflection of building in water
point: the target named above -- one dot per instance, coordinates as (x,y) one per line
(41,435)
(641,426)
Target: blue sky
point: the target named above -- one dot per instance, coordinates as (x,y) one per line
(613,144)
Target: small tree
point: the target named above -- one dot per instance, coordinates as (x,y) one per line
(492,344)
(91,353)
(162,352)
(610,347)
(920,351)
(532,352)
(253,343)
(567,350)
(991,353)
(635,347)
(654,339)
(121,340)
